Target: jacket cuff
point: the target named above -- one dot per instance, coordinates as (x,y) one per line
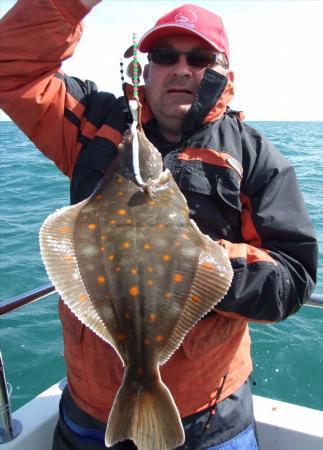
(73,10)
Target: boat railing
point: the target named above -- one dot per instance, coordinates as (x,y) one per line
(9,428)
(48,289)
(26,298)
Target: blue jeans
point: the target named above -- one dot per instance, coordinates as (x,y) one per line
(245,440)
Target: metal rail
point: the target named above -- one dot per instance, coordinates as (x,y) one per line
(43,291)
(28,297)
(9,428)
(315,300)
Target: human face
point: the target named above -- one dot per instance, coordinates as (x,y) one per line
(170,89)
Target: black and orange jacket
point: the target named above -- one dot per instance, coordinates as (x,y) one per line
(240,190)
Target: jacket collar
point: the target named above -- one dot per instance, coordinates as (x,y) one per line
(210,103)
(210,92)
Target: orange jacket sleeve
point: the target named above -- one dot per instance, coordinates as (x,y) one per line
(35,37)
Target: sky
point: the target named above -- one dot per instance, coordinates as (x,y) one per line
(276,49)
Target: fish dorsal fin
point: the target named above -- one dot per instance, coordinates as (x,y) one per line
(211,282)
(56,239)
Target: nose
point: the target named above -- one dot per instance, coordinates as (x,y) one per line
(181,68)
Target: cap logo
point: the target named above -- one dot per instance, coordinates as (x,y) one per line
(186,17)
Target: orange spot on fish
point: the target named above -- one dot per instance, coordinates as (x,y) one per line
(103,238)
(91,226)
(120,193)
(133,291)
(159,338)
(125,245)
(110,257)
(122,212)
(133,271)
(178,278)
(166,258)
(150,269)
(121,337)
(101,279)
(129,221)
(152,317)
(195,299)
(98,197)
(168,295)
(102,249)
(150,283)
(152,202)
(112,222)
(117,269)
(83,297)
(65,230)
(147,246)
(207,265)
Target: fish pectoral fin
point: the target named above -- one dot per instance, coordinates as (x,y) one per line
(164,177)
(147,415)
(152,185)
(211,282)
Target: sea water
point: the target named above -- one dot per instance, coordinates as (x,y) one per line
(288,357)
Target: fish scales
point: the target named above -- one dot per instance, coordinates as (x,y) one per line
(133,267)
(139,258)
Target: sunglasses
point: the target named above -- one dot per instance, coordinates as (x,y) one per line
(194,58)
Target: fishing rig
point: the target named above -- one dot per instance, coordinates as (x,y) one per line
(134,71)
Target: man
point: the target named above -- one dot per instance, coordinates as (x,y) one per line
(240,191)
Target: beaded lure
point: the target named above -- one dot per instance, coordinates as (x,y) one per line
(134,71)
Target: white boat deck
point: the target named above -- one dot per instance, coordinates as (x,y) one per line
(281,426)
(284,426)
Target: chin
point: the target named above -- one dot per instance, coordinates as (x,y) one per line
(178,111)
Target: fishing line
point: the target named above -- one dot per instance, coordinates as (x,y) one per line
(212,413)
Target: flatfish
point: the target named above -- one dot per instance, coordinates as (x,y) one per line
(134,268)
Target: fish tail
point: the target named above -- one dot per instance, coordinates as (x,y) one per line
(147,415)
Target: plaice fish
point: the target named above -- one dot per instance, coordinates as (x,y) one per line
(134,268)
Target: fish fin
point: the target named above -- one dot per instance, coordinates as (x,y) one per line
(58,254)
(147,415)
(211,282)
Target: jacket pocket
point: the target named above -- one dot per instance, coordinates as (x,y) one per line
(220,182)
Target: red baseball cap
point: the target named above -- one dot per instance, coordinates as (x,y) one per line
(188,19)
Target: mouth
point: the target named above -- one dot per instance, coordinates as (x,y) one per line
(179,91)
